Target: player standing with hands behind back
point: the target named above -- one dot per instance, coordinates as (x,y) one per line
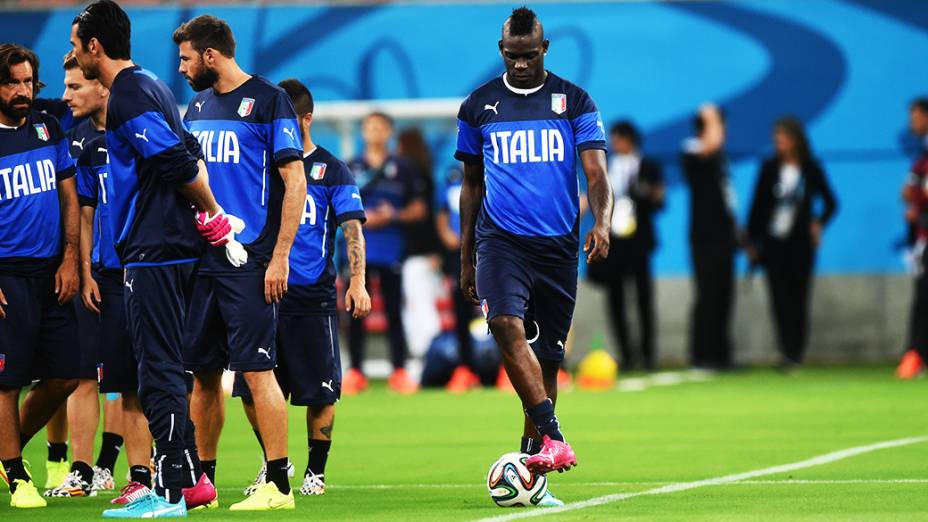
(153,180)
(517,137)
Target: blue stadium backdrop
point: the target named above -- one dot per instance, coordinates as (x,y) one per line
(847,68)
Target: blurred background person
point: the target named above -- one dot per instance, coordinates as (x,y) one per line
(393,197)
(713,240)
(915,196)
(792,203)
(421,277)
(639,191)
(448,225)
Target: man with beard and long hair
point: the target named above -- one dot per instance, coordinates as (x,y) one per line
(248,130)
(39,241)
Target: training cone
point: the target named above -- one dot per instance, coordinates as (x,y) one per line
(597,371)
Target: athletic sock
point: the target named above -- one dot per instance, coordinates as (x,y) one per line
(109,451)
(23,440)
(544,419)
(260,443)
(15,471)
(209,468)
(193,468)
(530,445)
(277,473)
(318,455)
(84,469)
(57,451)
(140,474)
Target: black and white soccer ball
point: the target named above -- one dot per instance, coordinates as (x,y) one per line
(510,483)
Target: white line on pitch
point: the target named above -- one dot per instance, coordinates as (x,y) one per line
(727,479)
(623,484)
(634,384)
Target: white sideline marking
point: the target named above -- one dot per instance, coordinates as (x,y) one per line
(727,479)
(613,484)
(636,384)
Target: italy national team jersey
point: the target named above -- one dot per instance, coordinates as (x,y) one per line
(80,135)
(34,158)
(527,140)
(152,223)
(245,134)
(92,171)
(332,197)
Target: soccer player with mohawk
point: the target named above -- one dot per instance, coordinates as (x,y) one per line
(518,136)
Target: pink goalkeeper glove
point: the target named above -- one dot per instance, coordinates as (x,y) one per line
(216,230)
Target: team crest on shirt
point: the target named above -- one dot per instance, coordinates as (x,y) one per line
(41,131)
(244,108)
(318,171)
(559,103)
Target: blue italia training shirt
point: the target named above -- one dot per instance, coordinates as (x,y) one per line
(33,160)
(528,141)
(92,172)
(80,135)
(151,222)
(245,134)
(332,197)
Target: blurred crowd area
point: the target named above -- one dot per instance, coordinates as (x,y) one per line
(418,305)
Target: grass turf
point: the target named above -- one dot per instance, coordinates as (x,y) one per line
(425,457)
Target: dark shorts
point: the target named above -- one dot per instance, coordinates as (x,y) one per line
(88,338)
(511,283)
(37,338)
(118,365)
(309,368)
(156,301)
(230,324)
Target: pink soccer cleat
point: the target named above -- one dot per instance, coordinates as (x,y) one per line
(203,495)
(130,492)
(554,456)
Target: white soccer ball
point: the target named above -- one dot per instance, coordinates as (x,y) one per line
(510,483)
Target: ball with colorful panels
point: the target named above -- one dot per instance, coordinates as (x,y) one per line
(511,484)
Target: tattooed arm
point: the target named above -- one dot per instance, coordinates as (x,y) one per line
(356,297)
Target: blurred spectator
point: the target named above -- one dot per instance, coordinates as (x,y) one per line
(792,204)
(712,240)
(393,196)
(448,223)
(639,192)
(915,195)
(421,279)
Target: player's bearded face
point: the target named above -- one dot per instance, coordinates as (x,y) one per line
(201,77)
(16,96)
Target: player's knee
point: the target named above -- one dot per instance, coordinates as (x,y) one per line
(61,387)
(209,380)
(261,383)
(507,330)
(130,403)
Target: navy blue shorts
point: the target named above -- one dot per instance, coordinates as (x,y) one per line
(118,366)
(230,324)
(510,283)
(309,367)
(88,338)
(156,299)
(37,336)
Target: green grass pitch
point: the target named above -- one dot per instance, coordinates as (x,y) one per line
(425,457)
